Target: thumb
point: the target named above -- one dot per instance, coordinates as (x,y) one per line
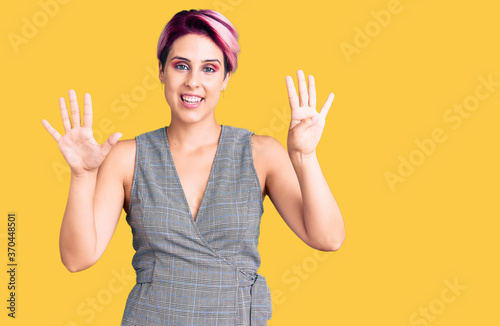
(110,142)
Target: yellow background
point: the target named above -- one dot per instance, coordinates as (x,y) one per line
(404,242)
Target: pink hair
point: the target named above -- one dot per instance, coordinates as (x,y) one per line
(202,22)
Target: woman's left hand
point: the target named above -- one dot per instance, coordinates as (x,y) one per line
(304,132)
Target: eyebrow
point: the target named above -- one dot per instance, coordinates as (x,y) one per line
(186,59)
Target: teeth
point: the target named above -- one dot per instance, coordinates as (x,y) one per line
(191,99)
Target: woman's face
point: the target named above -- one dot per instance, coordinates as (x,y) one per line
(193,77)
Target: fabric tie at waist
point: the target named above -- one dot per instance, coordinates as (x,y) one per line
(260,306)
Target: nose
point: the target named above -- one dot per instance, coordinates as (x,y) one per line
(192,79)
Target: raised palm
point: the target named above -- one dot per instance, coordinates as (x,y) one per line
(78,146)
(304,134)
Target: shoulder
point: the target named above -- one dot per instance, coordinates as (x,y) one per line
(123,149)
(264,143)
(152,135)
(268,151)
(259,142)
(124,152)
(121,159)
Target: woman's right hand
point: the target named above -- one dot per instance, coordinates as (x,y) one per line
(78,145)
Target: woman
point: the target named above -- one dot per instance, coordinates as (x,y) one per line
(193,190)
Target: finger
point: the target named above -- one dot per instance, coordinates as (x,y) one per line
(292,93)
(64,114)
(75,111)
(110,142)
(326,106)
(304,98)
(87,111)
(54,133)
(312,92)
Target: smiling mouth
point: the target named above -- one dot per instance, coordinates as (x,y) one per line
(191,99)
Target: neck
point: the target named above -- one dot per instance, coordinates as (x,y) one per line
(192,136)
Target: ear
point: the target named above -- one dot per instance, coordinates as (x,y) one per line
(224,83)
(161,72)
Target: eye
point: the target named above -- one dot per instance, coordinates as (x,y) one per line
(181,66)
(210,69)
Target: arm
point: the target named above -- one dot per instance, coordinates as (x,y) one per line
(78,234)
(296,184)
(298,190)
(322,216)
(91,212)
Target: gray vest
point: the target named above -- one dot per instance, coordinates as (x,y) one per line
(203,271)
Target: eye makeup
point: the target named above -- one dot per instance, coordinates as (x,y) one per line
(214,67)
(178,64)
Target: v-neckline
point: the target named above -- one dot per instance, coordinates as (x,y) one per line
(210,177)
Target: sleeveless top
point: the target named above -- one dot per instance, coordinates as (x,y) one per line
(203,271)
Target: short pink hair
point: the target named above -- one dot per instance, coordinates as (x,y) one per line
(202,22)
